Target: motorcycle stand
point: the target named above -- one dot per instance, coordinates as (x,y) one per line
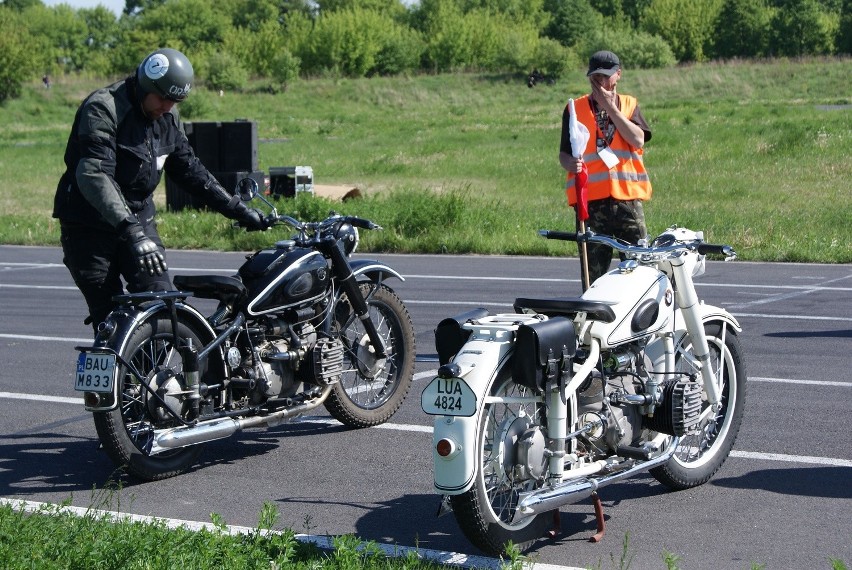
(556,529)
(599,518)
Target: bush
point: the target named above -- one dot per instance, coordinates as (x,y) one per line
(401,52)
(284,68)
(637,50)
(225,72)
(553,59)
(355,43)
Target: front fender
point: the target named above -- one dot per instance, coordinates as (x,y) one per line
(124,320)
(656,349)
(374,270)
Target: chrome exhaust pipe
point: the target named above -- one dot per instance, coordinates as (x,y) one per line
(550,498)
(221,428)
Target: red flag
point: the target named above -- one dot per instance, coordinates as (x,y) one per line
(580,180)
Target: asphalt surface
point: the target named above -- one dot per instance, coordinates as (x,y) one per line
(783,500)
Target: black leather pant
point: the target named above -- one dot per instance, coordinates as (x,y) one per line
(98,260)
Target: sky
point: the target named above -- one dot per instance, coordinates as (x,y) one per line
(116,6)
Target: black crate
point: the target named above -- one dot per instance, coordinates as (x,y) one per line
(224,146)
(204,140)
(238,146)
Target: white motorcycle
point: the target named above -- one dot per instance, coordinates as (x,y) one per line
(542,407)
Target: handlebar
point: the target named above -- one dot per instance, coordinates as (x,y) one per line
(318,227)
(668,247)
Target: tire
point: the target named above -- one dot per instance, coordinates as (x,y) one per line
(127,431)
(484,512)
(371,390)
(699,456)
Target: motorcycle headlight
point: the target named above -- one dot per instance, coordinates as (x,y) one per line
(347,236)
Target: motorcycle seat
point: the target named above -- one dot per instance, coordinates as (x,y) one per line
(211,286)
(566,307)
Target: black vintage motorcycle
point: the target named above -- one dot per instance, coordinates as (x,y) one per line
(300,325)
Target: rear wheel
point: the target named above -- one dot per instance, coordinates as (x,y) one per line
(372,389)
(127,432)
(487,512)
(699,455)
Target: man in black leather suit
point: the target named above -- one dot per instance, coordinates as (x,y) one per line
(123,137)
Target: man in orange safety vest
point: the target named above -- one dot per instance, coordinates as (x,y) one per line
(617,182)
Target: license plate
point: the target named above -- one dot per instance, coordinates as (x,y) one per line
(95,372)
(448,397)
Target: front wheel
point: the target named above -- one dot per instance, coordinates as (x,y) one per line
(372,389)
(700,454)
(127,432)
(487,512)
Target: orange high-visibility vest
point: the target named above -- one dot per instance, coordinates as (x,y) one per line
(627,180)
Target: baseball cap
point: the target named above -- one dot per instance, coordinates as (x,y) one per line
(604,63)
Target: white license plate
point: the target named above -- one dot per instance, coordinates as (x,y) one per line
(448,397)
(95,372)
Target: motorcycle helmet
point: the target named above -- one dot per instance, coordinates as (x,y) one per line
(347,237)
(166,72)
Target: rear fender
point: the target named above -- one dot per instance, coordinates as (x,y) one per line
(479,361)
(124,320)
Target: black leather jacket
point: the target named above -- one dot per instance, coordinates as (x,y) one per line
(115,158)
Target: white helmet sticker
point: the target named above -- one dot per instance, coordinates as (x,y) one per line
(180,92)
(156,66)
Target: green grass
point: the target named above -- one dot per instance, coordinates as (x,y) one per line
(756,154)
(53,538)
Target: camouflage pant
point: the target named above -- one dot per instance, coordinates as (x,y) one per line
(622,219)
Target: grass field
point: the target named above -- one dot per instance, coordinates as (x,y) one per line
(756,154)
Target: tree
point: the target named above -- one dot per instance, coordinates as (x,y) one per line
(802,27)
(844,34)
(18,54)
(448,39)
(64,33)
(687,25)
(742,29)
(571,21)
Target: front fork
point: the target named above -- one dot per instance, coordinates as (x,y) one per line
(688,302)
(349,285)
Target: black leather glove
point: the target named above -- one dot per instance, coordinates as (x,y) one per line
(147,254)
(250,218)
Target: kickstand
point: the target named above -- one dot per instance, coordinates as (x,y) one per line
(599,517)
(556,529)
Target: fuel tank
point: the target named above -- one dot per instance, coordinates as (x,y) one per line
(284,277)
(641,297)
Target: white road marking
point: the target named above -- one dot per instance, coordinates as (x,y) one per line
(756,455)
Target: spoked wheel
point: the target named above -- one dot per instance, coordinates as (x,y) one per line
(127,432)
(699,455)
(487,513)
(371,389)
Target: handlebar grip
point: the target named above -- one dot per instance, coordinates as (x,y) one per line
(363,223)
(707,248)
(551,234)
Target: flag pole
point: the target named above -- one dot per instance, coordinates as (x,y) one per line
(584,256)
